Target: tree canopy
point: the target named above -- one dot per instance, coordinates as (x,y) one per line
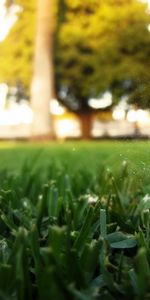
(17,49)
(99,46)
(104,45)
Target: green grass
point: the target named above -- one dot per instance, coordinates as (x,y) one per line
(74,221)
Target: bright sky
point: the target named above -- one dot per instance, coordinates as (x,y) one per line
(7,19)
(148,1)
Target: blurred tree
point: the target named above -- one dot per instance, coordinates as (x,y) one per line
(101,46)
(30,43)
(16,50)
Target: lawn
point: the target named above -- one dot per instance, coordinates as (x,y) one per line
(74,221)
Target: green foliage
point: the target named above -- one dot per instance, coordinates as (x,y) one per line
(104,45)
(16,51)
(64,234)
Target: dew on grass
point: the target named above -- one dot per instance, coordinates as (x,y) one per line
(91,199)
(40,197)
(146,198)
(25,203)
(124,163)
(3,245)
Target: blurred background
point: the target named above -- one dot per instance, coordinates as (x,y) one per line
(74,69)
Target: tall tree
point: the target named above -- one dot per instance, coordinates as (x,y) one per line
(103,45)
(100,46)
(42,87)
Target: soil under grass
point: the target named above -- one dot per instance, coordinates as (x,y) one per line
(74,221)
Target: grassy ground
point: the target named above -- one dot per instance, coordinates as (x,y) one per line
(111,153)
(78,156)
(74,221)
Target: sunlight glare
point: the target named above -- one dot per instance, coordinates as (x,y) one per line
(140,116)
(56,108)
(118,114)
(67,128)
(3,94)
(18,114)
(103,102)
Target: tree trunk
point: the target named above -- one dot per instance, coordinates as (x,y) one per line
(135,124)
(86,125)
(42,86)
(136,129)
